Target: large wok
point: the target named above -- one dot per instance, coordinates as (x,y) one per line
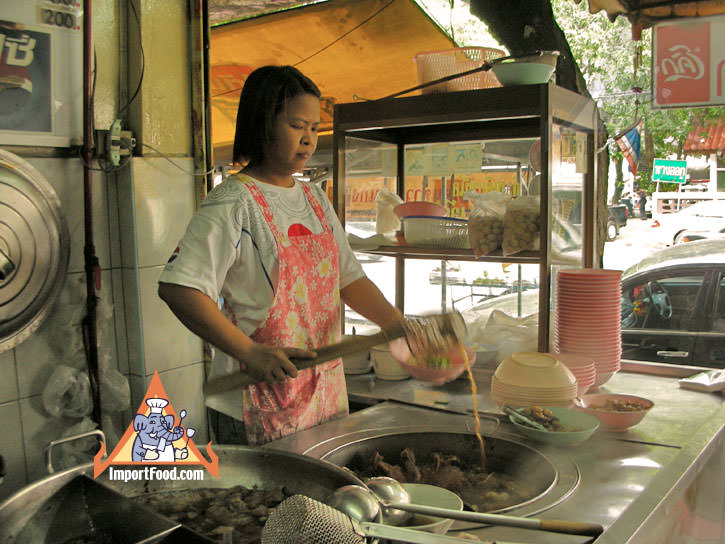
(68,501)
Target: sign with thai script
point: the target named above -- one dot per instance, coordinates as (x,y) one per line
(670,171)
(688,62)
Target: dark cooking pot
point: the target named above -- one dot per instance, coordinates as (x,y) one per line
(550,477)
(57,500)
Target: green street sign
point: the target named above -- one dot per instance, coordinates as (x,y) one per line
(670,171)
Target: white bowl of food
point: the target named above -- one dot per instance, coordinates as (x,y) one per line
(385,365)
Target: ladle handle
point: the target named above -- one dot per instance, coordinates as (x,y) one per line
(552,525)
(324,354)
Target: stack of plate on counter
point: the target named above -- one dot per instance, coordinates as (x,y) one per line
(533,379)
(588,318)
(582,367)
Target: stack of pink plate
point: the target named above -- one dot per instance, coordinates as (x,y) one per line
(588,318)
(584,368)
(533,379)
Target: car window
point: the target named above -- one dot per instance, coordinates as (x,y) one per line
(718,321)
(667,302)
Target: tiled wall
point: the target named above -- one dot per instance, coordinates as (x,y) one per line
(138,215)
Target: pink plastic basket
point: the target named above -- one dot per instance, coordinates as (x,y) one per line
(434,65)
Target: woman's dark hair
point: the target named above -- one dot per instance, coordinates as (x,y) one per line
(263,96)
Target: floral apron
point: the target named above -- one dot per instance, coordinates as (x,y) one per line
(305,313)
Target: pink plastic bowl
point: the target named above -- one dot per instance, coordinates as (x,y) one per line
(420,208)
(614,420)
(437,376)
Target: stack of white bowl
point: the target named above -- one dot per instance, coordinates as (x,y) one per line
(533,379)
(582,367)
(588,317)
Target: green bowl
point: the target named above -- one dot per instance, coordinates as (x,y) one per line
(577,428)
(522,73)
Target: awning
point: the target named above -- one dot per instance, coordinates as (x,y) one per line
(350,48)
(645,13)
(706,139)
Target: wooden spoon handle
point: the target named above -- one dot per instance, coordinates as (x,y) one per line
(324,354)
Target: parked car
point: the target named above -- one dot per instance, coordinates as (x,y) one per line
(692,235)
(673,306)
(705,216)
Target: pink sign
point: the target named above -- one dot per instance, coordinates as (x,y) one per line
(689,63)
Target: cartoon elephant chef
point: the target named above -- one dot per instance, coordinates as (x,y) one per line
(154,441)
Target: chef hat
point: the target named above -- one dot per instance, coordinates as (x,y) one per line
(157,405)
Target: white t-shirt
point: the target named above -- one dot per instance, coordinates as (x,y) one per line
(229,250)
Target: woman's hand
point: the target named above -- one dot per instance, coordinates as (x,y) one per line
(271,363)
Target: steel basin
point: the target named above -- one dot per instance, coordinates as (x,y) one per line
(552,476)
(43,506)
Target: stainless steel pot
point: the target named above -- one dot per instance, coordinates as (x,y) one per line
(550,476)
(40,507)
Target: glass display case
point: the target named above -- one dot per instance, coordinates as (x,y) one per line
(533,141)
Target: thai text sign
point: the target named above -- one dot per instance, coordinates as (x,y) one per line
(670,171)
(688,62)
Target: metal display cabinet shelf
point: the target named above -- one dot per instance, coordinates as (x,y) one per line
(564,122)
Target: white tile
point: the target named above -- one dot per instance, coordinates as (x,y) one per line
(39,429)
(164,202)
(132,320)
(167,342)
(66,177)
(8,377)
(119,319)
(125,216)
(138,390)
(57,341)
(12,450)
(184,387)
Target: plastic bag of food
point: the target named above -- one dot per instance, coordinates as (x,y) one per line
(521,225)
(386,222)
(511,334)
(485,222)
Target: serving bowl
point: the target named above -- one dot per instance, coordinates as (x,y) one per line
(577,427)
(604,406)
(431,495)
(528,70)
(419,207)
(437,375)
(385,365)
(535,370)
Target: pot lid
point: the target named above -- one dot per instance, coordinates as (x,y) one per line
(34,249)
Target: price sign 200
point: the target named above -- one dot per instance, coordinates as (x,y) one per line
(62,19)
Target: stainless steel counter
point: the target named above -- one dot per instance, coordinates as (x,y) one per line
(630,482)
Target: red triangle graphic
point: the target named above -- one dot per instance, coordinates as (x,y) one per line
(139,445)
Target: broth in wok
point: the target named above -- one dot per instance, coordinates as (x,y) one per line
(480,490)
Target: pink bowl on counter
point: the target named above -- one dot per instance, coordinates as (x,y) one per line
(603,407)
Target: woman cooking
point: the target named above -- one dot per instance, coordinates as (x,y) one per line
(263,268)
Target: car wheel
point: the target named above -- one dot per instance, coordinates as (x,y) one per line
(612,230)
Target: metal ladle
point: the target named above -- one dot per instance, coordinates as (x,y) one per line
(361,495)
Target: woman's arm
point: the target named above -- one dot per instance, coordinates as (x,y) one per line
(365,298)
(201,315)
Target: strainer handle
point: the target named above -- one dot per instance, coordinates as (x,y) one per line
(53,443)
(401,534)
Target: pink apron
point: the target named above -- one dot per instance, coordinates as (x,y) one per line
(305,313)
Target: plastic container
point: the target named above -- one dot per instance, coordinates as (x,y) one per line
(440,232)
(434,65)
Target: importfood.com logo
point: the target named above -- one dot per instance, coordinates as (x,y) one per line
(156,436)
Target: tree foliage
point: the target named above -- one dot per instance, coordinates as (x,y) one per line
(618,71)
